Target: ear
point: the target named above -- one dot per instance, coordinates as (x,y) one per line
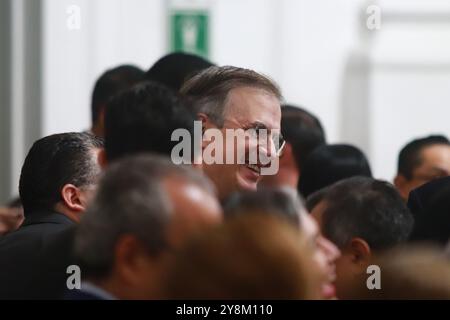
(73,198)
(129,256)
(400,183)
(102,160)
(206,124)
(360,251)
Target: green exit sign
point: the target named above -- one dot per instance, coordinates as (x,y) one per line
(190,32)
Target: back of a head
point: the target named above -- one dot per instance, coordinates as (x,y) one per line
(174,69)
(411,273)
(328,164)
(285,204)
(111,83)
(302,130)
(142,119)
(432,224)
(254,256)
(54,161)
(410,155)
(365,208)
(209,88)
(315,198)
(130,199)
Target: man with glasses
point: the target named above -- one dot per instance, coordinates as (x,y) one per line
(241,101)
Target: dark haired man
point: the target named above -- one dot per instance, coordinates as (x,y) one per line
(109,84)
(361,216)
(145,208)
(11,216)
(421,161)
(286,204)
(57,181)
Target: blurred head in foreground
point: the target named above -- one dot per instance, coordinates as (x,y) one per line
(146,207)
(286,205)
(110,83)
(253,256)
(173,69)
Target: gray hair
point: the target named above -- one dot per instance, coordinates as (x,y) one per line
(209,89)
(130,200)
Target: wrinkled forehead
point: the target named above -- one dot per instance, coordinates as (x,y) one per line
(248,105)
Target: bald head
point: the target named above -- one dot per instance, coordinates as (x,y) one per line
(145,207)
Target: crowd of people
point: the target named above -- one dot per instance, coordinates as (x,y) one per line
(114,203)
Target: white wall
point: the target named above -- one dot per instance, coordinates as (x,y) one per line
(410,79)
(112,32)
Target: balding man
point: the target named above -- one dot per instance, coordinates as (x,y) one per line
(145,208)
(232,99)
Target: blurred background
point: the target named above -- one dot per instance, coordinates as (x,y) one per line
(377,73)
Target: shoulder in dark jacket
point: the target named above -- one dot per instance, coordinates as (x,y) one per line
(30,255)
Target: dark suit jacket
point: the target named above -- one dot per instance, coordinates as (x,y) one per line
(32,258)
(421,198)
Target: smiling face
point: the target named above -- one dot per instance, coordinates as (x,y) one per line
(245,108)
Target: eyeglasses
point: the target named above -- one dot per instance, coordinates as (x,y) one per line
(260,131)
